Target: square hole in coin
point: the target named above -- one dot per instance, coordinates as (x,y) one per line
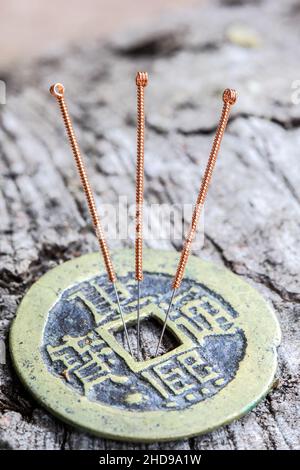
(150,332)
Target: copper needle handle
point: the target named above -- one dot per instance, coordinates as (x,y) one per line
(58,91)
(141,82)
(229,98)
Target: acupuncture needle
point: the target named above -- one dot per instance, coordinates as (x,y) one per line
(229,98)
(141,82)
(57,90)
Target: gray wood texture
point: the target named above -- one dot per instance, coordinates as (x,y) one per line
(252,212)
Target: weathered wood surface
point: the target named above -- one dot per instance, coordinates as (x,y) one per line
(252,213)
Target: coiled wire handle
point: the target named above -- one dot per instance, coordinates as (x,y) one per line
(229,98)
(141,82)
(58,90)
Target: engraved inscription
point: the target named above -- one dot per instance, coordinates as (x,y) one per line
(81,348)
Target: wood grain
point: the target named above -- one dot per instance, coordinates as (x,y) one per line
(252,212)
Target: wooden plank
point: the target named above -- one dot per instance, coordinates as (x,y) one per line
(252,212)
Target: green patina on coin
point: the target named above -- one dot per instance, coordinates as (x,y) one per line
(64,345)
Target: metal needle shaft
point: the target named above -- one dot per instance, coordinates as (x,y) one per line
(165,322)
(229,98)
(123,320)
(58,90)
(138,323)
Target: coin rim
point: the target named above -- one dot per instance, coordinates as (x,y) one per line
(253,380)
